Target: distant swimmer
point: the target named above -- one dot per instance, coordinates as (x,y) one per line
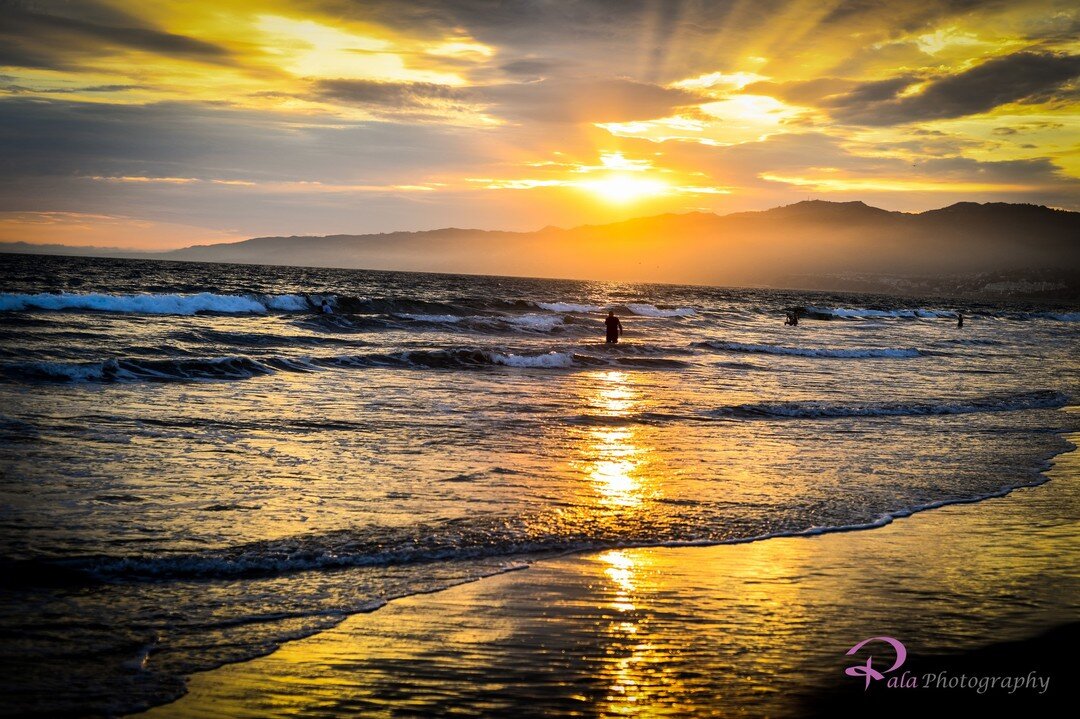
(326,308)
(792,319)
(614,327)
(959,320)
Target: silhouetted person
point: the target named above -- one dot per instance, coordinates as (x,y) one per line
(614,327)
(792,319)
(959,320)
(326,308)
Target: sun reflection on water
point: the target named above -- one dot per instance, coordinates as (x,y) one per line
(615,455)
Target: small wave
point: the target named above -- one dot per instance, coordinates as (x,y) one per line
(437,319)
(130,370)
(238,368)
(529,322)
(973,341)
(657,362)
(568,307)
(860,313)
(838,353)
(536,322)
(154,304)
(1060,316)
(1041,399)
(653,311)
(549,360)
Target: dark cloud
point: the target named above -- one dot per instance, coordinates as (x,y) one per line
(51,149)
(1021,77)
(69,90)
(878,91)
(549,100)
(55,137)
(530,67)
(388,95)
(61,35)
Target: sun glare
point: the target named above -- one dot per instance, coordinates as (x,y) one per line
(620,188)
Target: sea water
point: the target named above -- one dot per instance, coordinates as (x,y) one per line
(197,464)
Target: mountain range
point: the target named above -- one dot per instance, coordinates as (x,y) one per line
(970,248)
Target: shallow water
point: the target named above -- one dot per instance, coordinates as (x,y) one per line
(198,465)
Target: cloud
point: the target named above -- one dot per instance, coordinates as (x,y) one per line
(1020,77)
(390,95)
(531,67)
(62,35)
(586,101)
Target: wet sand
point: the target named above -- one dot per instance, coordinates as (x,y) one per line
(757,629)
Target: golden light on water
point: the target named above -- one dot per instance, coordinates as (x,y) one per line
(613,472)
(615,454)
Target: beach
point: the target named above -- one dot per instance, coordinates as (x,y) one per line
(757,629)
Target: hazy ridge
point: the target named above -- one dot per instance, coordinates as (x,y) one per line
(966,248)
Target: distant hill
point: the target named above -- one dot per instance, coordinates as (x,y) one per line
(1017,249)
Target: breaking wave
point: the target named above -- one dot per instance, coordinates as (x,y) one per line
(238,368)
(154,304)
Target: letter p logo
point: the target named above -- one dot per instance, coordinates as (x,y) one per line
(868,670)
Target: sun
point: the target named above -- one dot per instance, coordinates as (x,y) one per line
(621,188)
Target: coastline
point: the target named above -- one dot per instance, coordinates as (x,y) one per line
(757,628)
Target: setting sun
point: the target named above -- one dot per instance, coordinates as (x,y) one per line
(624,188)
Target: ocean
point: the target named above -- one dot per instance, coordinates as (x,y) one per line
(197,464)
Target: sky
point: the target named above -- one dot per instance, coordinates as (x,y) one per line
(155,125)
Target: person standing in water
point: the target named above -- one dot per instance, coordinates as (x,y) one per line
(959,320)
(614,327)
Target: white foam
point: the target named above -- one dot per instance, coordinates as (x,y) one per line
(152,304)
(568,307)
(551,360)
(540,323)
(653,311)
(897,352)
(85,372)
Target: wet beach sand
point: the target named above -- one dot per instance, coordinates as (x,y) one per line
(757,629)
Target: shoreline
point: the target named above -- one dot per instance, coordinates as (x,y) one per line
(377,661)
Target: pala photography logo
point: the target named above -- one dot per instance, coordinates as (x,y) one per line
(891,655)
